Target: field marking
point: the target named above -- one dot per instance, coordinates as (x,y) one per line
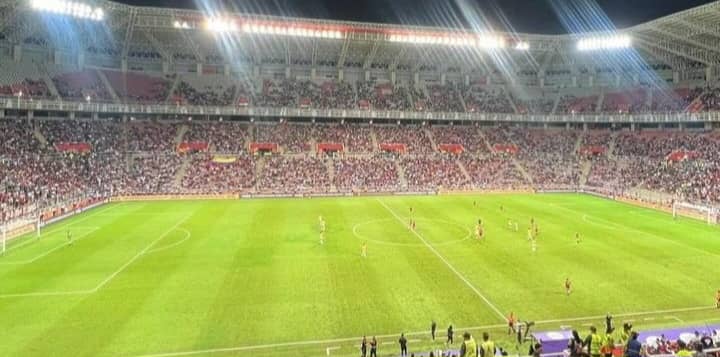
(629,229)
(29,240)
(455,224)
(187,236)
(107,279)
(42,255)
(442,259)
(416,333)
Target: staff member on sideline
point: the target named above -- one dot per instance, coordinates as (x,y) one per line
(468,347)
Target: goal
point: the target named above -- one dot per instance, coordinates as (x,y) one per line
(708,214)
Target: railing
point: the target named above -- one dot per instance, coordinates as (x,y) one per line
(254,112)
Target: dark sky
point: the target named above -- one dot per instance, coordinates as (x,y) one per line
(533,16)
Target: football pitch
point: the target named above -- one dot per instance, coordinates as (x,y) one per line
(249,277)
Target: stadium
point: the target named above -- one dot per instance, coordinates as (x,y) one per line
(184,182)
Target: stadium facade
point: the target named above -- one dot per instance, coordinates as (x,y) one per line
(534,74)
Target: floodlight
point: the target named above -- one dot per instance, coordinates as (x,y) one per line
(71,8)
(522,46)
(604,43)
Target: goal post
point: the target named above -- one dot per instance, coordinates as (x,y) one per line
(709,214)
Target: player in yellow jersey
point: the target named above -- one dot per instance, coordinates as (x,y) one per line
(363,250)
(479,233)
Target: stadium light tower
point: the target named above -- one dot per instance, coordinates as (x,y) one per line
(75,9)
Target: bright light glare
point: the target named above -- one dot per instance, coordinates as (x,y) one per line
(69,8)
(604,43)
(522,46)
(483,41)
(294,30)
(181,25)
(221,25)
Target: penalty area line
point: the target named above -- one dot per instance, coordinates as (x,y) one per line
(452,268)
(105,281)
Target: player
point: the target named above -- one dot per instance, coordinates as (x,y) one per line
(577,237)
(511,323)
(412,224)
(363,250)
(479,230)
(530,234)
(502,208)
(533,245)
(69,238)
(322,237)
(322,224)
(717,299)
(536,232)
(568,286)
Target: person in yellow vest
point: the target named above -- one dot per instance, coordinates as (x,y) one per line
(487,347)
(608,343)
(593,342)
(469,346)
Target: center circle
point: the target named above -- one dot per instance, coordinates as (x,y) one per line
(373,231)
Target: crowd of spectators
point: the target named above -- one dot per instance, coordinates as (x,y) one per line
(433,172)
(30,89)
(285,174)
(467,136)
(185,93)
(384,96)
(138,157)
(375,173)
(413,137)
(444,98)
(493,172)
(80,86)
(485,99)
(291,138)
(205,175)
(223,137)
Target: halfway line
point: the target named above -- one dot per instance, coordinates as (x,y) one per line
(471,286)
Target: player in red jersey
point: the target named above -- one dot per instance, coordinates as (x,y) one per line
(511,323)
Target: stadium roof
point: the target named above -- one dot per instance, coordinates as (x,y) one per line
(685,40)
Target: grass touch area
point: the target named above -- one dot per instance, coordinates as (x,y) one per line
(228,278)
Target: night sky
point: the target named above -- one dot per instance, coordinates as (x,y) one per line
(532,16)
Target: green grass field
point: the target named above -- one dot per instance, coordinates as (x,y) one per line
(249,277)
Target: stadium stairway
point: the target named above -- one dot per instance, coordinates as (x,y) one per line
(401,173)
(556,103)
(462,101)
(464,170)
(510,100)
(373,137)
(519,166)
(48,81)
(432,140)
(585,168)
(485,140)
(181,134)
(600,101)
(611,146)
(39,136)
(107,85)
(579,142)
(331,173)
(180,174)
(259,167)
(172,89)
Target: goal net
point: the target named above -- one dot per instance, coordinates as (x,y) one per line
(708,214)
